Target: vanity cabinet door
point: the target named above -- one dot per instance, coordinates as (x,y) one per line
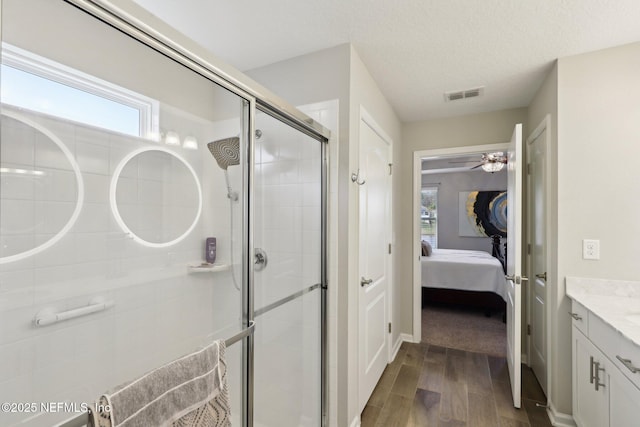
(624,401)
(590,406)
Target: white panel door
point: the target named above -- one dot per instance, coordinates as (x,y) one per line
(514,262)
(538,272)
(374,256)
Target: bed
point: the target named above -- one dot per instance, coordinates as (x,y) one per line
(464,277)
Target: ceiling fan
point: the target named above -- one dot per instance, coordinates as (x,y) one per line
(489,162)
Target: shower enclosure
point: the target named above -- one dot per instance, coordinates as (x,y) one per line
(150,204)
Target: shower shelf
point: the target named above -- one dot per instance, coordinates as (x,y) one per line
(207,268)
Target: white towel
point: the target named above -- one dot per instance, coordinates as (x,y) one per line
(191,391)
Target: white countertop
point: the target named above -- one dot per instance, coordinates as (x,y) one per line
(616,302)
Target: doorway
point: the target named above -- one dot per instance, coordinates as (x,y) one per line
(419,156)
(512,265)
(461,268)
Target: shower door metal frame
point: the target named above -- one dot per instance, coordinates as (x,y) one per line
(248,287)
(323,285)
(124,19)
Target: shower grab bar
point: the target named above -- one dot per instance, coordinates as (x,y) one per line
(81,420)
(49,316)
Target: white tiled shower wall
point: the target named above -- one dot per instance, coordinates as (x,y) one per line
(160,311)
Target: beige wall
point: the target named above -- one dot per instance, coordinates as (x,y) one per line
(598,117)
(449,187)
(592,102)
(477,129)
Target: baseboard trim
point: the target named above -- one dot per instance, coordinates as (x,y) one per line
(408,338)
(356,422)
(558,418)
(396,346)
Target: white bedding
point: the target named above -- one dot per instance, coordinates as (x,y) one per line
(463,270)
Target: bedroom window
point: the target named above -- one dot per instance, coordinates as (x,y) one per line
(429,215)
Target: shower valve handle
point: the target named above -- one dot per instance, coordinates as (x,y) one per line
(260,259)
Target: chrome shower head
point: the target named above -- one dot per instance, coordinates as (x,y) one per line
(226,151)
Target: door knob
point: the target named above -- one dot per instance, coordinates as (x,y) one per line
(542,276)
(365,282)
(516,279)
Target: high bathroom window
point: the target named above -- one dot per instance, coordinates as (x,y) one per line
(38,84)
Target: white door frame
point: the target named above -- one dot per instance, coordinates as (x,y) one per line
(417,186)
(545,124)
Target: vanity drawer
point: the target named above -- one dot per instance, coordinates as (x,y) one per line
(579,316)
(604,336)
(631,352)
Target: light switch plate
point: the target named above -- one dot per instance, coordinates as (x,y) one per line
(590,249)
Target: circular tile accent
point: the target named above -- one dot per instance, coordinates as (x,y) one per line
(79,184)
(138,218)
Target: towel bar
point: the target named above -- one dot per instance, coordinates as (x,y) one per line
(81,419)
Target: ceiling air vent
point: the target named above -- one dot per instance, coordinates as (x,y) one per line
(464,94)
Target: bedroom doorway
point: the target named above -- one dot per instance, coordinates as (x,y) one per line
(512,288)
(442,159)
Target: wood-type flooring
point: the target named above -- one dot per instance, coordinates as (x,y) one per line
(428,385)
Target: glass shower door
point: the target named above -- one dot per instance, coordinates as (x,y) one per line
(287,275)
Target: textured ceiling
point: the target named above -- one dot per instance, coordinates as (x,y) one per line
(415,49)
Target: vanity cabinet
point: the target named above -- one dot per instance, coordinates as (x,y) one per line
(602,394)
(624,401)
(590,383)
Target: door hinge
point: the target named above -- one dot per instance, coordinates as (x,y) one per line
(528,329)
(389,327)
(528,168)
(389,247)
(528,248)
(390,168)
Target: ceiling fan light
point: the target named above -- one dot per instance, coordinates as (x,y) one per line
(492,166)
